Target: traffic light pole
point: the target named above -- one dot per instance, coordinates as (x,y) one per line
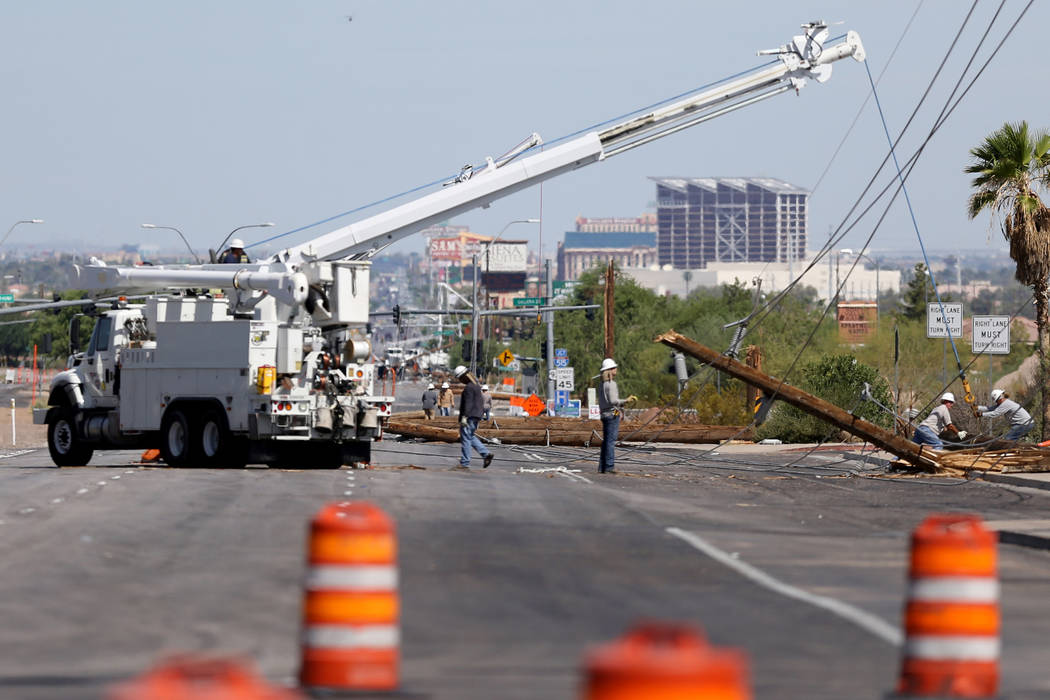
(474,321)
(550,337)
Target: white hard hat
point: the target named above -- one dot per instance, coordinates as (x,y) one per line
(444,385)
(948,396)
(997,394)
(608,363)
(237,243)
(459,371)
(484,387)
(431,385)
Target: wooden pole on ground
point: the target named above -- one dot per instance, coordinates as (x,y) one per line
(916,455)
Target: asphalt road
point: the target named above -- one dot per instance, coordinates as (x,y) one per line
(508,575)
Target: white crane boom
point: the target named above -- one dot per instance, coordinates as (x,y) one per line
(805,57)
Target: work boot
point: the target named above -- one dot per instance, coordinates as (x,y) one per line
(486,461)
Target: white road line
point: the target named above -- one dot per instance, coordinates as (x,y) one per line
(865,620)
(560,471)
(17,453)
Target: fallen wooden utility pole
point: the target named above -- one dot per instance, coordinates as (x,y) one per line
(916,455)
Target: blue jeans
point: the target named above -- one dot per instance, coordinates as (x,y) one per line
(468,439)
(925,436)
(610,431)
(1019,431)
(445,410)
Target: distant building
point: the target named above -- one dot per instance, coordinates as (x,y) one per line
(629,242)
(704,220)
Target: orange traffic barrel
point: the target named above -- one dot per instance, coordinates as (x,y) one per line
(951,618)
(193,678)
(665,661)
(350,638)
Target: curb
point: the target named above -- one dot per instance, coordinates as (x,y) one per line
(1024,539)
(1016,480)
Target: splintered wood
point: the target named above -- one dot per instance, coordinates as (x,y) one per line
(1018,459)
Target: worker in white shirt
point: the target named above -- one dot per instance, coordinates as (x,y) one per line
(940,419)
(1020,420)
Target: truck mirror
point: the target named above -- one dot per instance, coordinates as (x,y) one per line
(74,335)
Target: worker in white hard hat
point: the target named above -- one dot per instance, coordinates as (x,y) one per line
(446,400)
(611,406)
(940,419)
(235,253)
(486,401)
(430,399)
(471,410)
(1021,422)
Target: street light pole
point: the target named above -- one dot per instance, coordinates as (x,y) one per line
(23,221)
(228,235)
(172,228)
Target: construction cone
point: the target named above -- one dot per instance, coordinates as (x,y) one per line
(951,619)
(190,678)
(350,610)
(665,661)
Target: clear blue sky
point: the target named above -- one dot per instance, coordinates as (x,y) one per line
(210,115)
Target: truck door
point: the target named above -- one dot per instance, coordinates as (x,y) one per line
(100,363)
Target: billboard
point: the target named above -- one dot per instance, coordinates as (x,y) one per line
(506,256)
(445,249)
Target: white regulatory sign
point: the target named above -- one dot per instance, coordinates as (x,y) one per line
(938,325)
(564,379)
(991,335)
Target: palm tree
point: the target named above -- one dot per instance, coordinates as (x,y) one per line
(687,276)
(1010,166)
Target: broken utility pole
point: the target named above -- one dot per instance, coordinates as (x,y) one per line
(907,450)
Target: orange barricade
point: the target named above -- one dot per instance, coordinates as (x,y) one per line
(190,678)
(951,619)
(350,635)
(665,661)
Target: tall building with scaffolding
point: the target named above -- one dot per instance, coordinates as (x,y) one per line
(703,220)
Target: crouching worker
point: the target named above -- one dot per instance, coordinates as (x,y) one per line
(1020,421)
(940,419)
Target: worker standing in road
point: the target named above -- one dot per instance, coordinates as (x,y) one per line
(611,406)
(236,253)
(1020,420)
(471,409)
(446,400)
(430,399)
(940,419)
(486,398)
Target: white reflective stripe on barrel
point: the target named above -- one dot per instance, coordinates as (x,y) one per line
(351,637)
(365,578)
(955,589)
(953,648)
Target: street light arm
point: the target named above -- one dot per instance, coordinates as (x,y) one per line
(172,228)
(23,221)
(230,234)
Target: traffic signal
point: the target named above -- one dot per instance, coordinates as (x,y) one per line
(396,313)
(543,351)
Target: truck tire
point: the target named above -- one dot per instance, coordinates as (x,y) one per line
(218,447)
(66,447)
(177,439)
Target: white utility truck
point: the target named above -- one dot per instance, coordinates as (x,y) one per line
(268,362)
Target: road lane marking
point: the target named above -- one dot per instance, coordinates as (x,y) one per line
(560,471)
(865,620)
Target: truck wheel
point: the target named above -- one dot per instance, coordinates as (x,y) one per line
(217,444)
(176,438)
(65,446)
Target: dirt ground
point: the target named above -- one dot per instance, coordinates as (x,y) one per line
(26,434)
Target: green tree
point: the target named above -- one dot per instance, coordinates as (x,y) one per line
(1009,165)
(917,294)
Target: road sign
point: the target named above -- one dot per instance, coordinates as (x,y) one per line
(991,335)
(594,412)
(569,409)
(564,379)
(561,352)
(528,301)
(938,325)
(445,331)
(560,362)
(7,297)
(506,357)
(561,397)
(534,405)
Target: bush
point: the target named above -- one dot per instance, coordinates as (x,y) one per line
(838,379)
